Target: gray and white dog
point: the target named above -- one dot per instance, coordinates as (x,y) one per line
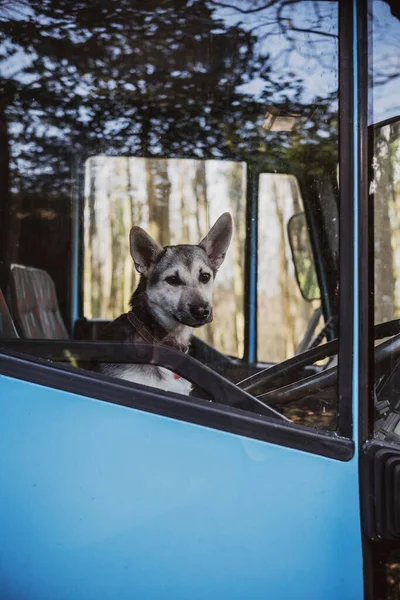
(174,296)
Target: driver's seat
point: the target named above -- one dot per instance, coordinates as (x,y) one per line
(7,327)
(35,305)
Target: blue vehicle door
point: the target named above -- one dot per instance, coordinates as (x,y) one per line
(166,116)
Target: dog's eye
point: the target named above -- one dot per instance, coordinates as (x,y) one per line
(173,280)
(205,277)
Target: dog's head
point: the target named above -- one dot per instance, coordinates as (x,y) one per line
(179,279)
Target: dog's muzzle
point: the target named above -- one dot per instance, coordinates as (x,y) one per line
(200,312)
(198,315)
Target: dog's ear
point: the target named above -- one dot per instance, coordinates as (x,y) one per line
(144,250)
(217,240)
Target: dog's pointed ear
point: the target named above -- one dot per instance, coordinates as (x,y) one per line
(144,250)
(217,240)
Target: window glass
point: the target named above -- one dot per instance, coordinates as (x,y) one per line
(176,201)
(284,314)
(384,119)
(384,100)
(384,158)
(164,115)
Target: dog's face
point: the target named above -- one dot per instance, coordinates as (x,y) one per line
(179,279)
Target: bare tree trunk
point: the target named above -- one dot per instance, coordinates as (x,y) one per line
(88,252)
(107,267)
(184,212)
(199,183)
(115,302)
(288,321)
(239,245)
(95,275)
(384,265)
(158,191)
(163,194)
(200,190)
(302,309)
(129,269)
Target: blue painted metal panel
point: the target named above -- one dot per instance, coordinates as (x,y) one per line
(98,501)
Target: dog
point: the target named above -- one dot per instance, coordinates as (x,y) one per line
(173,297)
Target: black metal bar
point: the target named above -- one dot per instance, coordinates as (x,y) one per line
(366,371)
(297,391)
(366,238)
(312,385)
(346,219)
(288,367)
(276,373)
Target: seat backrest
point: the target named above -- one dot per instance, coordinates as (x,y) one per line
(7,327)
(35,305)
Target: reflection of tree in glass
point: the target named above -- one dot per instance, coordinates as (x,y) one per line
(386,189)
(166,79)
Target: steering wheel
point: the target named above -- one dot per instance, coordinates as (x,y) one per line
(87,354)
(313,385)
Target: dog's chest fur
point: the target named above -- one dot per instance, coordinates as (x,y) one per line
(156,377)
(143,328)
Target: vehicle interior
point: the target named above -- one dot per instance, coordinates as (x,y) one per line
(35,308)
(145,153)
(302,388)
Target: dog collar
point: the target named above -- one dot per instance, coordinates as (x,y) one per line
(140,328)
(146,335)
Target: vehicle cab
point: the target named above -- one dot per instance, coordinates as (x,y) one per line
(278,475)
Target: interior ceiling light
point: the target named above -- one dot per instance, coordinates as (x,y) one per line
(278,119)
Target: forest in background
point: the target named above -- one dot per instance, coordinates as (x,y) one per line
(283,313)
(177,201)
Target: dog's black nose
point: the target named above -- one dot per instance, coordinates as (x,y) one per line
(199,311)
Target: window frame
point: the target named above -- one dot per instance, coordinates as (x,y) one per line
(216,416)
